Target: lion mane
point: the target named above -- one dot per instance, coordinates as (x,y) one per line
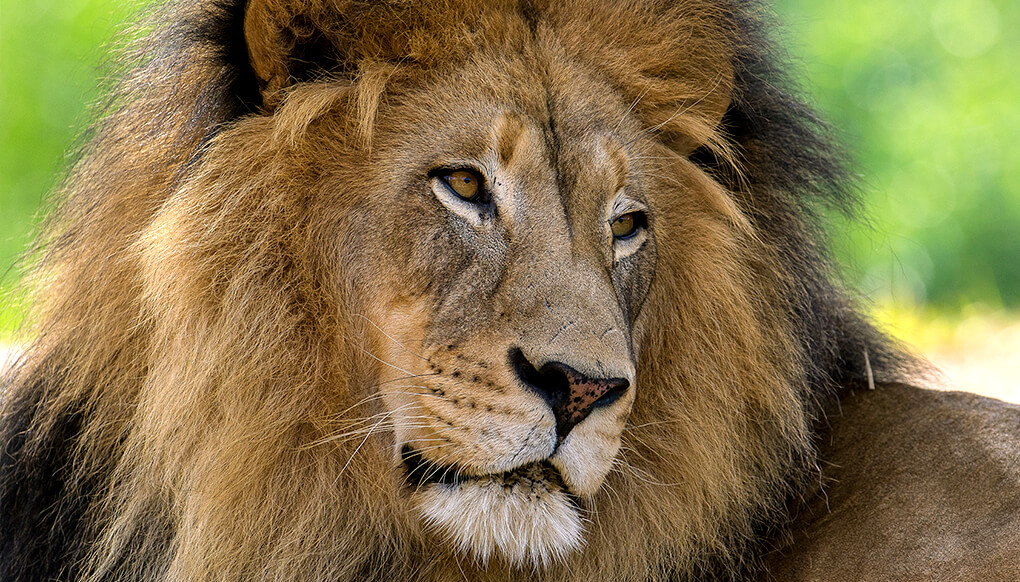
(198,399)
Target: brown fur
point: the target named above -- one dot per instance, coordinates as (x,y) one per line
(214,289)
(919,485)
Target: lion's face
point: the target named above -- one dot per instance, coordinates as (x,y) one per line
(351,290)
(516,315)
(526,251)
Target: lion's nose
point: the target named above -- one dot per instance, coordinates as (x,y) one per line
(571,394)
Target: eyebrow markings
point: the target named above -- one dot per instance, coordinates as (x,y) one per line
(509,134)
(621,166)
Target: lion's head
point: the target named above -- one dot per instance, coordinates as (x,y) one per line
(357,290)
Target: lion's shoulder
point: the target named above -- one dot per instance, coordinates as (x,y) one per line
(918,485)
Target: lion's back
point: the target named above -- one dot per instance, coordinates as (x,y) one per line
(920,485)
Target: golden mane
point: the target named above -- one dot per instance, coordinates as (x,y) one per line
(205,366)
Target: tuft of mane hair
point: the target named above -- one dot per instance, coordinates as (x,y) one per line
(189,348)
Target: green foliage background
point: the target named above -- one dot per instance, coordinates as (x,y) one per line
(926,93)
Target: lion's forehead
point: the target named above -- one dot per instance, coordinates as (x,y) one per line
(572,74)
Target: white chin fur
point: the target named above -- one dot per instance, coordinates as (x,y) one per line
(585,458)
(520,517)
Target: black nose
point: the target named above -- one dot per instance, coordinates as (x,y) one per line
(571,395)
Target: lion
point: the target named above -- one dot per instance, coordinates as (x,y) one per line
(473,290)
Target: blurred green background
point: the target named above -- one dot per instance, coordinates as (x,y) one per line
(925,93)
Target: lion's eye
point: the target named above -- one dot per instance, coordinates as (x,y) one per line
(627,225)
(464,183)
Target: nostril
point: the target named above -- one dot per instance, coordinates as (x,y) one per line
(570,394)
(616,389)
(551,382)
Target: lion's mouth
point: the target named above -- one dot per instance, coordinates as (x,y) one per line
(536,475)
(526,514)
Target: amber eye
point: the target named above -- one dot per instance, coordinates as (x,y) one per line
(627,225)
(464,183)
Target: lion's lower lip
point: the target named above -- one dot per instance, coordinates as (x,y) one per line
(422,472)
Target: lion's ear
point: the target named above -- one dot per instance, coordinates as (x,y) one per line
(290,41)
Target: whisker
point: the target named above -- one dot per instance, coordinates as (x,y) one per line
(412,376)
(638,473)
(361,402)
(391,338)
(654,423)
(344,468)
(631,108)
(382,361)
(436,465)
